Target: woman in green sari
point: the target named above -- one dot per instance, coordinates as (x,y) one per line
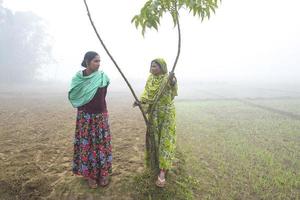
(162,119)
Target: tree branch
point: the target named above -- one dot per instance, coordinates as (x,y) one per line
(115,63)
(173,68)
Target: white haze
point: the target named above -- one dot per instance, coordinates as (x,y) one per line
(245,41)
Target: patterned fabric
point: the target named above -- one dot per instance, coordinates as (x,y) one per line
(92,145)
(163,118)
(164,127)
(83,88)
(155,82)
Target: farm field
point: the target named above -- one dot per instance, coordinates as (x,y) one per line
(229,148)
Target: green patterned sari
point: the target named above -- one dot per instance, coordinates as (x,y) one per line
(163,118)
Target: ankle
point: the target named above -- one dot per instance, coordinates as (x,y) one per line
(162,174)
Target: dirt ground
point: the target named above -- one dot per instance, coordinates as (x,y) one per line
(36,140)
(229,148)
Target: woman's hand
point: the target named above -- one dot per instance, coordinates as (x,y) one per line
(172,78)
(135,103)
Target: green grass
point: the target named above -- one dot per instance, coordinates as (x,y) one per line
(179,185)
(288,105)
(236,151)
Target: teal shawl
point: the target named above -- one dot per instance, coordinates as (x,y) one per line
(84,88)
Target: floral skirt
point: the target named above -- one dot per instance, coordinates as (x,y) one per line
(92,146)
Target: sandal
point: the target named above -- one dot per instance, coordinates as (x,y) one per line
(92,183)
(104,181)
(160,182)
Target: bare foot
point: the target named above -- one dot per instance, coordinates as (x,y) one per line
(161,181)
(92,183)
(104,181)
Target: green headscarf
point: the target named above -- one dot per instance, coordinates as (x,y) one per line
(155,82)
(84,88)
(162,63)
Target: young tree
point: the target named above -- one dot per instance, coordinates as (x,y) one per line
(149,17)
(113,60)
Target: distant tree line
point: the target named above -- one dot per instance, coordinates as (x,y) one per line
(23,46)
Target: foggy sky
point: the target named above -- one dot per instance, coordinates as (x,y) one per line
(253,40)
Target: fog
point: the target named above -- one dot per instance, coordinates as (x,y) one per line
(246,49)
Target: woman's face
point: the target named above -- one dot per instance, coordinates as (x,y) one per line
(155,68)
(94,64)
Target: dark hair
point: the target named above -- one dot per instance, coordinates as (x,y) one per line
(88,57)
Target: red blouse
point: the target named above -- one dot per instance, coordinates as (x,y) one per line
(97,104)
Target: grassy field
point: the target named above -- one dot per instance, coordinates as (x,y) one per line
(227,149)
(237,151)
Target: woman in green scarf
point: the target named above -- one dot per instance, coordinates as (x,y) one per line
(92,143)
(162,119)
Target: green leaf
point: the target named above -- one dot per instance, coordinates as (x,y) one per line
(134,18)
(153,10)
(194,11)
(155,25)
(136,23)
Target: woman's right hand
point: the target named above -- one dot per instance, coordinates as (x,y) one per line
(173,79)
(135,103)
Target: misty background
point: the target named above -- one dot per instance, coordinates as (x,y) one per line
(247,49)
